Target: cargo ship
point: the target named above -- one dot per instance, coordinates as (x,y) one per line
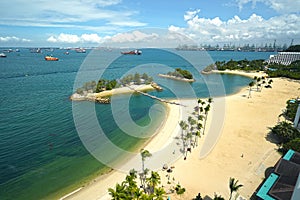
(135,52)
(51,58)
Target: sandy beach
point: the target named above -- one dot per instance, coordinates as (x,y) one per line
(241,151)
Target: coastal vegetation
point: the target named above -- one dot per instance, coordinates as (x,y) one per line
(293,48)
(290,71)
(273,69)
(151,187)
(101,91)
(179,74)
(260,83)
(194,127)
(104,84)
(288,135)
(234,186)
(246,65)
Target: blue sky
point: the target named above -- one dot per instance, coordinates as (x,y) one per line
(95,22)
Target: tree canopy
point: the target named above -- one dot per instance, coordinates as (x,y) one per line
(294,48)
(181,73)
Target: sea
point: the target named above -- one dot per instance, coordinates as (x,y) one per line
(42,156)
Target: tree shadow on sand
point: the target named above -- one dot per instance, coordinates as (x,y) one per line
(271,137)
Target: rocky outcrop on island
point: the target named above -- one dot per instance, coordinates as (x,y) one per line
(209,69)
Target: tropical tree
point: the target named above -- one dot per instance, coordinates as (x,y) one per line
(179,190)
(184,127)
(285,131)
(251,84)
(218,197)
(153,181)
(233,186)
(192,122)
(118,193)
(206,110)
(258,83)
(293,144)
(144,154)
(159,193)
(198,197)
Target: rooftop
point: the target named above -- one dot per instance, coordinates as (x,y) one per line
(281,184)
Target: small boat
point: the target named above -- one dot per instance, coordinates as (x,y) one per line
(2,55)
(135,52)
(50,58)
(66,53)
(80,50)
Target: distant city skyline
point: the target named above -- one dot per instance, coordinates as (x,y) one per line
(120,22)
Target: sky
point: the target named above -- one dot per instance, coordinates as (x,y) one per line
(75,23)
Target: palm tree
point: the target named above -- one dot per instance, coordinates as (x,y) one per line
(144,154)
(197,135)
(206,109)
(159,193)
(119,193)
(285,131)
(218,197)
(192,123)
(198,197)
(153,181)
(184,127)
(251,84)
(233,186)
(179,190)
(258,83)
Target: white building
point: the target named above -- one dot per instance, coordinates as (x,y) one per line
(284,58)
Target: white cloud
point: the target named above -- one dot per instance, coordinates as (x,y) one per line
(13,39)
(190,14)
(281,6)
(135,36)
(150,38)
(66,13)
(255,28)
(72,39)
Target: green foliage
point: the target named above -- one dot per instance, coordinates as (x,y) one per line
(294,48)
(293,144)
(291,71)
(79,91)
(240,65)
(218,197)
(179,190)
(184,73)
(275,70)
(106,85)
(291,109)
(181,73)
(285,131)
(130,190)
(234,186)
(136,79)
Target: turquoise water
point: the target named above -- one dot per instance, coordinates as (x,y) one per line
(40,151)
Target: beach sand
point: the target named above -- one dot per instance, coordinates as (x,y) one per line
(242,150)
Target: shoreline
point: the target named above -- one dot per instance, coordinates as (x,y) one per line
(102,96)
(223,161)
(176,78)
(172,113)
(238,72)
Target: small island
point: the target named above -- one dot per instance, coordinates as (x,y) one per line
(180,75)
(102,91)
